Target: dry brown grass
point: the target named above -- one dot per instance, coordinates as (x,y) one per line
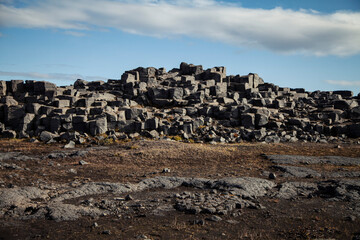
(135,160)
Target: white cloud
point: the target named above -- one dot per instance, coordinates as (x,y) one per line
(75,34)
(279,30)
(56,65)
(344,83)
(49,76)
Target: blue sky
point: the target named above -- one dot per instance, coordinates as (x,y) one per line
(310,44)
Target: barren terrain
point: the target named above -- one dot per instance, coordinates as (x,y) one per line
(163,189)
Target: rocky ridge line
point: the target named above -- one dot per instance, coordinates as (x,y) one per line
(188,102)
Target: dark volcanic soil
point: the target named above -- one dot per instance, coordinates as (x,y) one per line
(150,213)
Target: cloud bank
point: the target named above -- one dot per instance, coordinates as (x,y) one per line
(49,76)
(344,83)
(279,30)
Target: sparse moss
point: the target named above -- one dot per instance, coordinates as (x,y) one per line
(104,135)
(134,147)
(15,139)
(106,141)
(117,154)
(177,138)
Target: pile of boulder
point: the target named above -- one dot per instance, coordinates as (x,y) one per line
(188,103)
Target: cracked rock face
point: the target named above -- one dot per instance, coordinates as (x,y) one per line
(301,172)
(290,190)
(212,203)
(21,197)
(220,197)
(232,196)
(331,160)
(246,187)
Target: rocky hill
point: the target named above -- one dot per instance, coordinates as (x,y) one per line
(189,103)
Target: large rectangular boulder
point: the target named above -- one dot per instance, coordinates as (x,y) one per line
(27,122)
(345,104)
(190,69)
(220,90)
(98,126)
(15,86)
(354,130)
(2,88)
(128,78)
(248,120)
(54,124)
(62,103)
(41,87)
(152,124)
(33,108)
(344,93)
(13,115)
(176,93)
(158,93)
(133,113)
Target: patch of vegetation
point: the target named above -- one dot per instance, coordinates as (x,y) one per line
(177,138)
(106,141)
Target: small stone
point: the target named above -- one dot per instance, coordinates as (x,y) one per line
(232,221)
(200,222)
(56,155)
(166,170)
(82,162)
(272,176)
(214,218)
(46,136)
(210,210)
(119,199)
(194,210)
(142,236)
(351,218)
(222,212)
(71,170)
(70,145)
(82,140)
(51,141)
(128,197)
(95,225)
(106,232)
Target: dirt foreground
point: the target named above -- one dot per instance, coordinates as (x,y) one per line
(171,190)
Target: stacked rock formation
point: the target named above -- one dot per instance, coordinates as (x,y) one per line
(189,102)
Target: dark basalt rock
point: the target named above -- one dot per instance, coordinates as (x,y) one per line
(189,102)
